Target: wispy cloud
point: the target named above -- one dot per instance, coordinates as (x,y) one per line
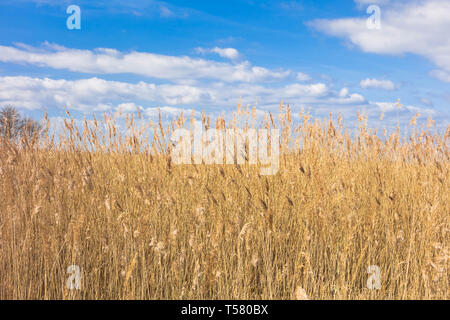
(137,7)
(441,75)
(111,61)
(291,5)
(165,12)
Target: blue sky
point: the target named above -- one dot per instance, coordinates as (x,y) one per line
(174,55)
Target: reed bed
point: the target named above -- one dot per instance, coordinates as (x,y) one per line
(109,200)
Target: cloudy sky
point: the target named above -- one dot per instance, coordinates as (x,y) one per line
(322,56)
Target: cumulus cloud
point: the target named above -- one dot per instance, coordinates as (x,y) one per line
(98,95)
(94,94)
(228,53)
(418,27)
(379,84)
(111,61)
(345,97)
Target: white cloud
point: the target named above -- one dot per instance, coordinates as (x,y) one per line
(128,107)
(386,106)
(111,61)
(343,92)
(95,94)
(418,27)
(379,84)
(195,82)
(293,90)
(303,76)
(345,97)
(392,106)
(228,53)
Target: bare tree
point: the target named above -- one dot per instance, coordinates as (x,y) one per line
(13,127)
(10,123)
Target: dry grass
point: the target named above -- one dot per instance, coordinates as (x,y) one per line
(142,228)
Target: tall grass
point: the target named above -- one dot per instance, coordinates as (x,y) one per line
(141,227)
